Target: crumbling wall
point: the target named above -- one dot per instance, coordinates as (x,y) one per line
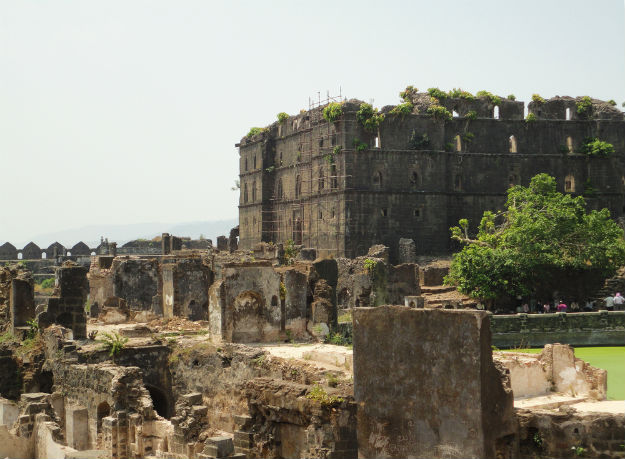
(372,281)
(244,305)
(138,282)
(568,433)
(555,369)
(426,385)
(67,307)
(17,304)
(185,288)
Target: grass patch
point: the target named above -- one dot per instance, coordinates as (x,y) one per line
(345,316)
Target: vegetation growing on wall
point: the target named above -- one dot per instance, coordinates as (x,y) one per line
(471,115)
(359,146)
(584,106)
(282,117)
(437,93)
(458,93)
(530,118)
(408,93)
(369,117)
(439,112)
(253,131)
(541,232)
(495,100)
(113,342)
(511,97)
(332,112)
(592,146)
(402,109)
(537,99)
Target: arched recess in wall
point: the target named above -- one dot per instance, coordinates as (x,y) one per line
(378,179)
(254,161)
(245,164)
(569,184)
(333,177)
(19,255)
(321,179)
(458,142)
(245,193)
(44,255)
(103,411)
(567,114)
(458,182)
(512,144)
(496,112)
(569,144)
(279,190)
(254,191)
(414,180)
(513,180)
(298,186)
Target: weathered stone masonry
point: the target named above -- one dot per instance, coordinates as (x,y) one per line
(297,184)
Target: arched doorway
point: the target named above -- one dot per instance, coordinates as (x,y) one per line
(103,411)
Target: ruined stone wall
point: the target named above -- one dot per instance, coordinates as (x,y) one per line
(138,282)
(566,433)
(185,288)
(405,189)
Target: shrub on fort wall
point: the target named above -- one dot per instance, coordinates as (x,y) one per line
(594,147)
(369,117)
(584,105)
(439,112)
(495,100)
(254,131)
(537,99)
(408,93)
(282,117)
(402,109)
(332,112)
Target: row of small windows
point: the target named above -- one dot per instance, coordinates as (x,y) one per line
(512,144)
(567,113)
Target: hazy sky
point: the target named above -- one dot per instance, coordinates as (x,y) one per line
(128,111)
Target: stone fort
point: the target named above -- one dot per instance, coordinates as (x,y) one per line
(342,185)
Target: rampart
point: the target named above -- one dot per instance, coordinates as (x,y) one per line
(341,188)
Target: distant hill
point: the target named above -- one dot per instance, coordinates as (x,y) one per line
(121,234)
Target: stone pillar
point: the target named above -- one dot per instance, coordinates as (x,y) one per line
(22,302)
(426,385)
(407,251)
(165,243)
(222,243)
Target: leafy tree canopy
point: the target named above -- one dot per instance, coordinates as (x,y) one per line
(540,232)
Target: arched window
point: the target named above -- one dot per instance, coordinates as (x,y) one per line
(513,180)
(279,191)
(414,179)
(512,140)
(378,179)
(569,184)
(245,193)
(496,112)
(298,186)
(458,143)
(254,161)
(455,114)
(458,182)
(254,191)
(245,164)
(321,179)
(568,114)
(333,177)
(569,144)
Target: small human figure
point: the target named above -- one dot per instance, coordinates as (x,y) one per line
(525,308)
(618,301)
(546,308)
(561,307)
(574,306)
(609,302)
(590,305)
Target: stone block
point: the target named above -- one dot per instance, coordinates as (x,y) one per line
(218,447)
(440,387)
(414,301)
(194,398)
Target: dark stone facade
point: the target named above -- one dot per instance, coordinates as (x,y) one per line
(305,179)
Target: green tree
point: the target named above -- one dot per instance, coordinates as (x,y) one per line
(540,234)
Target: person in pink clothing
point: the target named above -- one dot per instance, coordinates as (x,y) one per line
(562,306)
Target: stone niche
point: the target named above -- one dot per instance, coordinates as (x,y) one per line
(426,385)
